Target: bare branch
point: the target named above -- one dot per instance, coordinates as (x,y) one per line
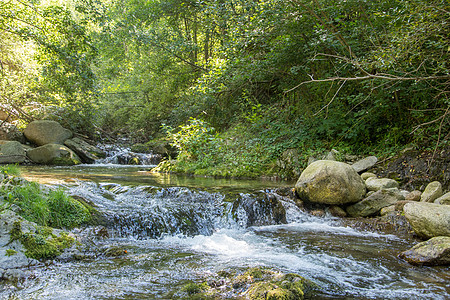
(371,76)
(332,99)
(431,122)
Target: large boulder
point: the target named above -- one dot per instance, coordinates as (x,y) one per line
(88,153)
(12,152)
(364,164)
(376,184)
(428,219)
(44,132)
(444,199)
(373,204)
(53,154)
(431,192)
(330,182)
(435,251)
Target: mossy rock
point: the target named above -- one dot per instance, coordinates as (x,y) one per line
(43,243)
(261,290)
(53,154)
(285,287)
(264,283)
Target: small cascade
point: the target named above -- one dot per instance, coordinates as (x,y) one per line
(124,156)
(153,212)
(153,240)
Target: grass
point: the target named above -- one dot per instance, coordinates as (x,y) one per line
(54,208)
(12,170)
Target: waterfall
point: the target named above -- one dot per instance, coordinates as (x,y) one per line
(124,156)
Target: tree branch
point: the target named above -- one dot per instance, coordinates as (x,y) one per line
(370,76)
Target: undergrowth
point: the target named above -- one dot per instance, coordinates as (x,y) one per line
(269,144)
(46,208)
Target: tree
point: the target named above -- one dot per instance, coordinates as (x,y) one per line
(46,55)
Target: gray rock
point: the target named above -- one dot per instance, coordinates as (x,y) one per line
(53,154)
(367,175)
(396,193)
(376,184)
(387,209)
(18,260)
(431,192)
(337,211)
(330,182)
(428,219)
(44,132)
(87,153)
(364,164)
(12,152)
(373,204)
(444,199)
(435,251)
(414,196)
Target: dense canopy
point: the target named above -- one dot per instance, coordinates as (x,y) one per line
(247,81)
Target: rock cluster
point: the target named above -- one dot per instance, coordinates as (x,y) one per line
(339,186)
(54,146)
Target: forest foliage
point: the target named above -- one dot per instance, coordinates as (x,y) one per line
(235,83)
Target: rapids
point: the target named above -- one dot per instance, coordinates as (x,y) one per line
(179,229)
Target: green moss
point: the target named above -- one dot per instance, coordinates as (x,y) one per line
(42,244)
(282,294)
(195,288)
(10,252)
(256,273)
(65,161)
(259,290)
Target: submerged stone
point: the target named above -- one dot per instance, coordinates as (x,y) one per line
(435,251)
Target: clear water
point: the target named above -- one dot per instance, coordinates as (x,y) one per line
(204,226)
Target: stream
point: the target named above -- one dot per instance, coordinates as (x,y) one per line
(179,229)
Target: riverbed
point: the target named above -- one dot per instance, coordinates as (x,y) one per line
(181,229)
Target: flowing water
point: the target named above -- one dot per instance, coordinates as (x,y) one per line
(181,229)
